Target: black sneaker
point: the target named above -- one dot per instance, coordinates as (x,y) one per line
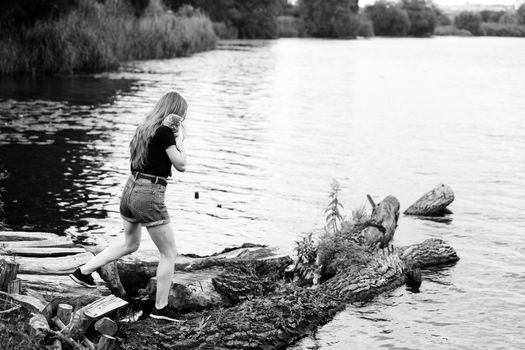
(85,280)
(166,313)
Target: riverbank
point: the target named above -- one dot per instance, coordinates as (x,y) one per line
(97,36)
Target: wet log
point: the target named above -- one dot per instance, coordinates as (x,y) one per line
(53,266)
(55,286)
(8,272)
(432,203)
(382,224)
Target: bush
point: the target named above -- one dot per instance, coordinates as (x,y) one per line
(97,36)
(451,30)
(422,15)
(498,29)
(388,19)
(333,19)
(491,16)
(470,21)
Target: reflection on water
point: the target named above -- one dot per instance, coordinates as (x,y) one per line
(51,132)
(271,123)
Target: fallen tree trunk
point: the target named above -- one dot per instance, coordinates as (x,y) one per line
(432,203)
(283,313)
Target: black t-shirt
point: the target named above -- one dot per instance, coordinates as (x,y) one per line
(158,163)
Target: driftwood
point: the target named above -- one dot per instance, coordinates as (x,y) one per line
(47,243)
(53,266)
(276,314)
(432,203)
(41,252)
(54,286)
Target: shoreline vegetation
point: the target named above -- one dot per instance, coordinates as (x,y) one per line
(65,37)
(95,36)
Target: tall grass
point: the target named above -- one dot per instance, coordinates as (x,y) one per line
(98,36)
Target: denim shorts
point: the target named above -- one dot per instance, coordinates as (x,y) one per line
(143,202)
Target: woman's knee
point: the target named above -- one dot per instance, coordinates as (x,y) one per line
(132,247)
(169,251)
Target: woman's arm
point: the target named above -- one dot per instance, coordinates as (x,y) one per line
(177,154)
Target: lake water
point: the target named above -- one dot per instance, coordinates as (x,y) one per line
(270,124)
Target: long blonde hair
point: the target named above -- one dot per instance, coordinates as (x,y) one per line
(172,102)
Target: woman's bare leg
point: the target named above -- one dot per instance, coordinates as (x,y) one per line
(132,235)
(164,239)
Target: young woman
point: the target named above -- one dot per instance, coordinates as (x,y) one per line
(154,149)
